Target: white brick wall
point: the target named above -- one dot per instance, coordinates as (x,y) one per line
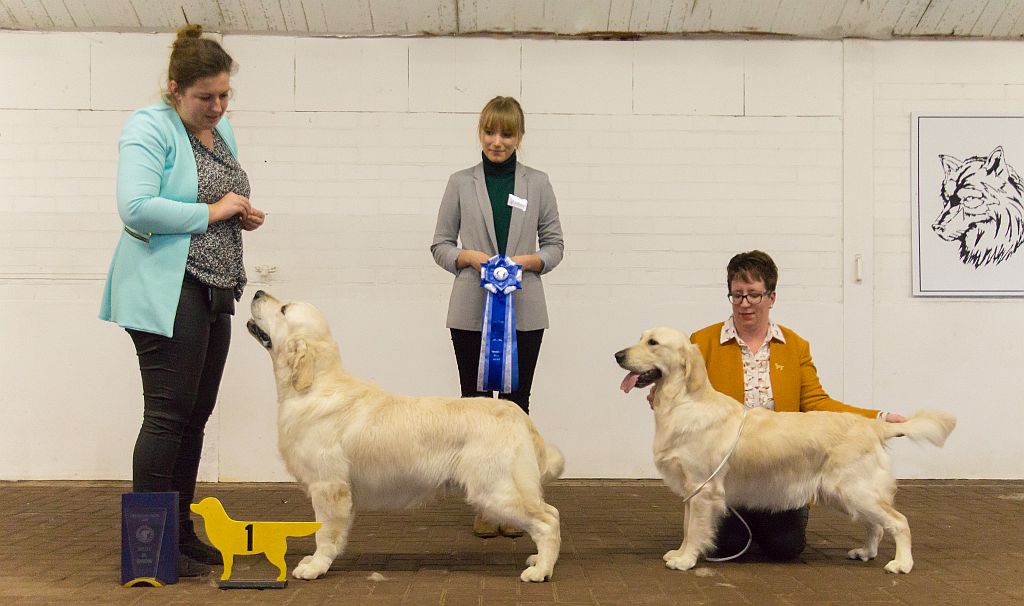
(667,158)
(952,340)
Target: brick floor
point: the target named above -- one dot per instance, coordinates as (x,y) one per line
(60,541)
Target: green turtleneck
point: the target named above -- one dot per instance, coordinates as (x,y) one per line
(501,181)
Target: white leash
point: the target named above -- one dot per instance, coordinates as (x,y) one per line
(728,455)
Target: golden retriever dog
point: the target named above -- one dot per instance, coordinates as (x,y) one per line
(353,445)
(780,461)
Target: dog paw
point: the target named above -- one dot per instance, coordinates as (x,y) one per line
(671,555)
(681,563)
(530,561)
(534,574)
(897,567)
(309,568)
(861,553)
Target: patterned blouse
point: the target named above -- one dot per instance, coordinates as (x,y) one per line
(215,258)
(757,380)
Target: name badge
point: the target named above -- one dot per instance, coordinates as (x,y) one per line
(516,202)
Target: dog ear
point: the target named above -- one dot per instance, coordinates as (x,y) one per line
(949,164)
(300,361)
(994,164)
(696,373)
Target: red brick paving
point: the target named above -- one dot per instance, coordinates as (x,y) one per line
(60,541)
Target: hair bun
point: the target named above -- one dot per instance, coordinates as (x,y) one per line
(193,30)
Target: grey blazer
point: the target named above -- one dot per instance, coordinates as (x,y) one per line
(465,215)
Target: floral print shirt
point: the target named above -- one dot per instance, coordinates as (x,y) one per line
(215,258)
(757,382)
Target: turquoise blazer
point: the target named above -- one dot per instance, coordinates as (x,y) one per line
(157,189)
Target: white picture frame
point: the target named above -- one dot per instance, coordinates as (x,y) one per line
(967,205)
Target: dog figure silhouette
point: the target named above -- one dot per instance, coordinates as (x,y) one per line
(232,537)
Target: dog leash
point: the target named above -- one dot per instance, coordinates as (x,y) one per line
(728,455)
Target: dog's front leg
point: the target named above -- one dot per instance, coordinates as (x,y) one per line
(700,519)
(675,553)
(332,502)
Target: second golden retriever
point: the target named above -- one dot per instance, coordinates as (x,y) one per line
(353,445)
(781,460)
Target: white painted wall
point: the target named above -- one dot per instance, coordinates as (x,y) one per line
(667,157)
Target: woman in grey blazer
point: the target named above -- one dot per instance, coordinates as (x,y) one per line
(498,206)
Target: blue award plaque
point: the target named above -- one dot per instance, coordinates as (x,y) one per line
(149,538)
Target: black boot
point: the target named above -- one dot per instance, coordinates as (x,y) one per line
(188,567)
(190,545)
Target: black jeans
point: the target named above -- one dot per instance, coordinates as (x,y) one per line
(180,379)
(467,356)
(781,535)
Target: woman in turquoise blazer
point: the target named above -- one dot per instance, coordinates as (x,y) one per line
(177,269)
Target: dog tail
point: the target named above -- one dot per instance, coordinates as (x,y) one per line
(299,529)
(553,464)
(929,425)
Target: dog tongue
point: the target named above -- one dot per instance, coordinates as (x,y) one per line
(629,382)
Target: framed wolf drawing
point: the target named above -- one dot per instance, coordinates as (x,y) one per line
(967,205)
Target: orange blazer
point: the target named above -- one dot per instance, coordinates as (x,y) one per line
(794,378)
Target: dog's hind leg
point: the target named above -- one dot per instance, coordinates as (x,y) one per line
(536,561)
(541,521)
(519,502)
(870,548)
(899,528)
(332,502)
(879,514)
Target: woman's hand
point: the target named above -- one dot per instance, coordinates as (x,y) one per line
(529,262)
(651,394)
(471,258)
(230,205)
(891,417)
(254,219)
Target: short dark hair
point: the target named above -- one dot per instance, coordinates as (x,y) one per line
(752,266)
(194,58)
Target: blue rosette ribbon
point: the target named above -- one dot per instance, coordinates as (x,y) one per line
(499,355)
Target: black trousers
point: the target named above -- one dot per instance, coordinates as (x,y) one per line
(180,379)
(467,356)
(781,535)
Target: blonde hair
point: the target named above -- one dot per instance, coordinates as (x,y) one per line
(194,57)
(503,114)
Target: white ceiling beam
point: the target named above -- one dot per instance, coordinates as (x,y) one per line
(828,19)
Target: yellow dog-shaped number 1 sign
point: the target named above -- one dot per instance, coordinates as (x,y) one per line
(232,538)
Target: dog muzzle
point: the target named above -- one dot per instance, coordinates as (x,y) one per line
(259,333)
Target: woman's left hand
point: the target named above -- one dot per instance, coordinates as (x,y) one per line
(891,417)
(254,219)
(529,262)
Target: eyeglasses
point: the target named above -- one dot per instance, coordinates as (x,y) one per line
(752,297)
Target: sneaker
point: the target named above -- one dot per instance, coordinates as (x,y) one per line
(187,567)
(510,531)
(484,528)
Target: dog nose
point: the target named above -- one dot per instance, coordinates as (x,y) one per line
(259,293)
(620,356)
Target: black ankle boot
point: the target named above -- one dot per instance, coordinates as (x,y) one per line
(190,545)
(188,567)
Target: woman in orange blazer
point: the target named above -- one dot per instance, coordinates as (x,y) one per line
(761,363)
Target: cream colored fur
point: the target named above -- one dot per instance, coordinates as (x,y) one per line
(355,446)
(782,460)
